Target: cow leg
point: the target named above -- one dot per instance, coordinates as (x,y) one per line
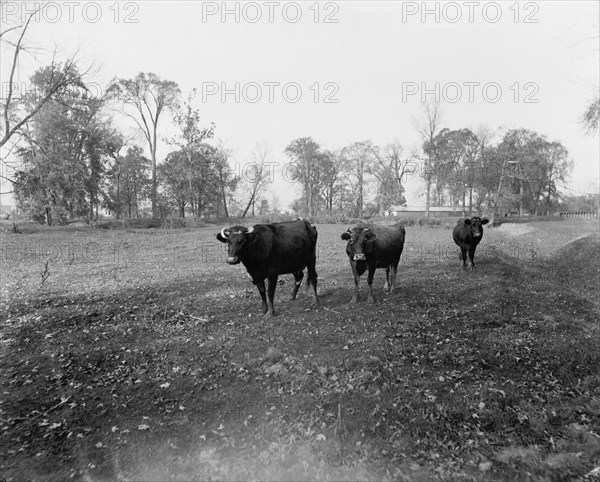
(307,285)
(356,280)
(370,297)
(271,294)
(463,252)
(263,294)
(298,275)
(312,278)
(393,277)
(472,256)
(386,286)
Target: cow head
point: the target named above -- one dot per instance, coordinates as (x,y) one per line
(360,242)
(476,225)
(237,238)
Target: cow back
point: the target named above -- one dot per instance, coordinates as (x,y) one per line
(389,243)
(285,247)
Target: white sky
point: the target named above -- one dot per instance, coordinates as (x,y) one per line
(370,56)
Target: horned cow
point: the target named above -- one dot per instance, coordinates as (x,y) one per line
(268,250)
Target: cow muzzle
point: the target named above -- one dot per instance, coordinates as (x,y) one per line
(359,257)
(233,260)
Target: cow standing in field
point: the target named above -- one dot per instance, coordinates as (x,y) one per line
(268,250)
(374,247)
(467,234)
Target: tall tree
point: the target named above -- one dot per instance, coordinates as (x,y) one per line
(129,182)
(427,129)
(389,168)
(305,166)
(174,182)
(534,167)
(256,175)
(454,154)
(149,96)
(227,180)
(331,169)
(556,167)
(483,137)
(191,135)
(359,157)
(65,152)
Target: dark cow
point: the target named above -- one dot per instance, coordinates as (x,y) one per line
(268,250)
(374,247)
(467,234)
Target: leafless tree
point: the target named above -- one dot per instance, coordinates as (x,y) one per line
(390,168)
(149,96)
(256,174)
(591,116)
(427,129)
(358,158)
(15,112)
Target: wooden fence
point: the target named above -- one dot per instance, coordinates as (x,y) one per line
(583,214)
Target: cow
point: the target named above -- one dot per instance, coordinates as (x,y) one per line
(268,250)
(467,234)
(374,247)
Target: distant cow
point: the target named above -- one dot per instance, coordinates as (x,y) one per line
(467,234)
(374,247)
(268,250)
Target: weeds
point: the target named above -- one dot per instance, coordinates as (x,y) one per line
(45,274)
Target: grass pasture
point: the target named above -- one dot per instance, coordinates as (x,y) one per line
(141,355)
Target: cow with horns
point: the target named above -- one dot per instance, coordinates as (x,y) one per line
(372,247)
(268,250)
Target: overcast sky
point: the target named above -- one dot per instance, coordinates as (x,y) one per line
(344,71)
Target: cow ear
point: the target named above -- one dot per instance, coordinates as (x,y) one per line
(221,238)
(484,220)
(251,237)
(345,236)
(370,236)
(467,221)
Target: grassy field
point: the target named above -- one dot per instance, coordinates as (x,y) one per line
(142,355)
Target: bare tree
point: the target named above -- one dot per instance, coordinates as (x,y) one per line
(427,129)
(305,167)
(256,174)
(389,168)
(64,76)
(150,96)
(359,157)
(483,136)
(228,181)
(591,116)
(330,182)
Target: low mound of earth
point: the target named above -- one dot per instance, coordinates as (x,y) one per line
(577,265)
(580,254)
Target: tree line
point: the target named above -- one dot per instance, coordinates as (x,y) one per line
(73,161)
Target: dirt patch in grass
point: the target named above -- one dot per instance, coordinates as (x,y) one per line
(156,365)
(514,229)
